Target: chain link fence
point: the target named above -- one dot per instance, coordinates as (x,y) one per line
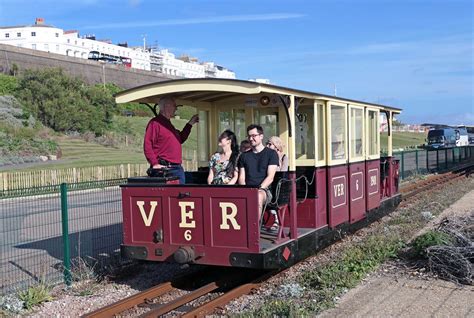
(32,236)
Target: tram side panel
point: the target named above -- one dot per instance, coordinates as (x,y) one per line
(372,184)
(338,195)
(189,224)
(357,191)
(312,212)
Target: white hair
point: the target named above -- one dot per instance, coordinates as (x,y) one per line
(165,100)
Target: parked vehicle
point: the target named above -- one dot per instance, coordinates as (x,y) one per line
(441,138)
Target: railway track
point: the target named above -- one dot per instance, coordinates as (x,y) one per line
(431,181)
(236,283)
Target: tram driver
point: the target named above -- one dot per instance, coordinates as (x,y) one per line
(162,143)
(257,167)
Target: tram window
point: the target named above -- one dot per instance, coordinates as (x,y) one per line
(357,121)
(240,129)
(225,121)
(372,122)
(321,132)
(304,131)
(203,136)
(338,132)
(268,119)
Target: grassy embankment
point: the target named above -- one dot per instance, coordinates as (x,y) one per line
(403,140)
(80,153)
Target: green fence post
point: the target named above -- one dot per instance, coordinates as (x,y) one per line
(403,165)
(65,225)
(446,158)
(454,157)
(437,159)
(427,161)
(416,161)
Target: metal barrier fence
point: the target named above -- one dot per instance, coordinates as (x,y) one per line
(32,245)
(424,161)
(32,233)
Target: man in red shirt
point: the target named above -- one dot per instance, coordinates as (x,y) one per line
(162,144)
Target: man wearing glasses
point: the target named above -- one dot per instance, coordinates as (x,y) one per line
(257,167)
(162,144)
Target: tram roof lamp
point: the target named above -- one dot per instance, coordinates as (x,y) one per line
(265,100)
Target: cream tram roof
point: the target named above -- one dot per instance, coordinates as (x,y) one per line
(214,90)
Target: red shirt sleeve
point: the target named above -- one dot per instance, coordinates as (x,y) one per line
(152,130)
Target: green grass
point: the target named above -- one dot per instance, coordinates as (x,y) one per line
(79,153)
(403,140)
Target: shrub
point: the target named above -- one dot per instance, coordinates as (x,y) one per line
(64,103)
(428,239)
(8,84)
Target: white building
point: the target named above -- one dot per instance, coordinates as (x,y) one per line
(214,70)
(54,40)
(164,61)
(260,80)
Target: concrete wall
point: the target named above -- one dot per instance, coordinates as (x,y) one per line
(92,72)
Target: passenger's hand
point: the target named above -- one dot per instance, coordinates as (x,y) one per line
(158,166)
(193,120)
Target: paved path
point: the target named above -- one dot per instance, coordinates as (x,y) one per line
(391,296)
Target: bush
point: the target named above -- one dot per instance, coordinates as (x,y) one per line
(64,103)
(430,238)
(8,84)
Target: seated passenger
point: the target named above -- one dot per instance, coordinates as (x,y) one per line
(223,164)
(276,144)
(257,167)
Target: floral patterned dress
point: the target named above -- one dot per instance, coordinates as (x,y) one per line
(220,169)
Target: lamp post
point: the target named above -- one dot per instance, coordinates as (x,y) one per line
(103,73)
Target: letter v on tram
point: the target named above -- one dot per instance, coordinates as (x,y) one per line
(337,179)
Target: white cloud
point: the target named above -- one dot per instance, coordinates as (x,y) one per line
(217,19)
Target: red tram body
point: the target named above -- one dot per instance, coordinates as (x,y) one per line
(218,224)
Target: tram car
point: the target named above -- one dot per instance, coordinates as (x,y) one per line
(337,180)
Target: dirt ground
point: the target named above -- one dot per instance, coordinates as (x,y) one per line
(393,292)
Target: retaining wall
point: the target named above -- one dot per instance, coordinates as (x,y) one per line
(92,72)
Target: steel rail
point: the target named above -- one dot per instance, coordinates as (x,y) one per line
(166,308)
(130,302)
(424,185)
(222,300)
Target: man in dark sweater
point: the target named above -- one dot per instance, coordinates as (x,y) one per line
(257,167)
(162,143)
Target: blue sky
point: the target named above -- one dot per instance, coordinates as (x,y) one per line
(416,55)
